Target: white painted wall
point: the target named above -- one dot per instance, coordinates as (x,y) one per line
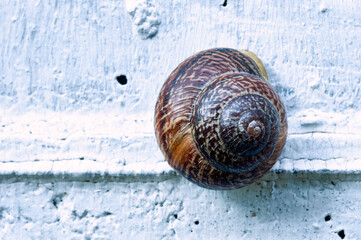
(64,118)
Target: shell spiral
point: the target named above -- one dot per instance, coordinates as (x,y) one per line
(218,122)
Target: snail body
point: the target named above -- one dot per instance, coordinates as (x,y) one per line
(218,122)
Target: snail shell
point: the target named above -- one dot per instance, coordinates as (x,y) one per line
(218,121)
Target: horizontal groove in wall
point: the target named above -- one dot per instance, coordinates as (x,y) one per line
(273,175)
(104,145)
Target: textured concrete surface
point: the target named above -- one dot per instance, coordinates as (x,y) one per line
(287,207)
(78,157)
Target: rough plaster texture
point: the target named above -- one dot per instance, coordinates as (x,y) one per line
(283,208)
(78,157)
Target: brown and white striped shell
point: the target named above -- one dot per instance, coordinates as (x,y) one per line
(218,121)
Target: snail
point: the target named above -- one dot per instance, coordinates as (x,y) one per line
(218,121)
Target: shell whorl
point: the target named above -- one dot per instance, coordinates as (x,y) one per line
(235,128)
(218,122)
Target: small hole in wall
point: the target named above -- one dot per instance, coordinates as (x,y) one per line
(341,234)
(224,3)
(122,79)
(196,222)
(328,217)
